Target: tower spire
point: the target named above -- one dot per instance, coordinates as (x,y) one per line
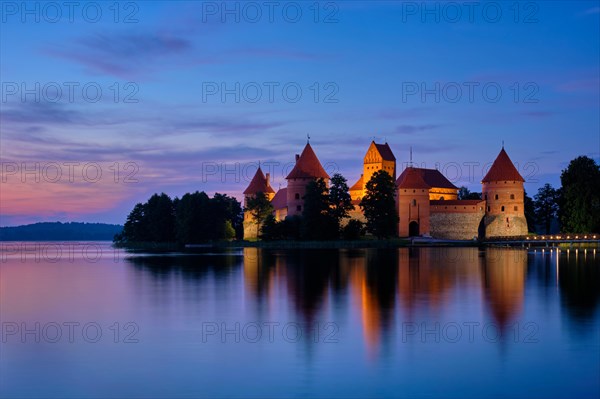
(502,144)
(308,138)
(411,162)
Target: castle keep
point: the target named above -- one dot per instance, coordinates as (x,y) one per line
(426,201)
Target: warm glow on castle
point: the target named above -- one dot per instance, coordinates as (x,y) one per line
(426,201)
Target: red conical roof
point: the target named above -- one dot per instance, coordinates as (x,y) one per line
(411,178)
(502,169)
(308,166)
(259,184)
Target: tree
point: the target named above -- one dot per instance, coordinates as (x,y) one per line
(579,204)
(227,231)
(260,208)
(317,221)
(529,211)
(353,230)
(193,218)
(152,221)
(546,206)
(339,198)
(465,194)
(161,218)
(225,208)
(136,226)
(272,229)
(379,205)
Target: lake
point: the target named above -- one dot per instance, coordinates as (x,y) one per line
(85,320)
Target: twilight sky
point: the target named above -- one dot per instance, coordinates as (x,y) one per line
(103,105)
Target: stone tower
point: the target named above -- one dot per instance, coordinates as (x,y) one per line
(306,169)
(502,189)
(378,157)
(413,203)
(259,184)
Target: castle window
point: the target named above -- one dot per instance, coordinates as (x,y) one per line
(441,198)
(488,208)
(414,191)
(496,196)
(516,208)
(486,197)
(502,209)
(414,202)
(298,208)
(512,196)
(297,196)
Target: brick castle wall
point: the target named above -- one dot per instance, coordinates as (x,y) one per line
(449,225)
(505,226)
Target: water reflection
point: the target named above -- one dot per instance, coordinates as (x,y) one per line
(503,280)
(371,296)
(578,279)
(385,287)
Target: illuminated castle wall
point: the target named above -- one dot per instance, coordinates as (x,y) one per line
(427,202)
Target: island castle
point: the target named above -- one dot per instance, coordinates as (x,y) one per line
(426,201)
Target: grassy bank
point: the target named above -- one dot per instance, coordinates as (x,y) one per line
(290,244)
(390,243)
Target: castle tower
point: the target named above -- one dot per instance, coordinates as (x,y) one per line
(259,184)
(413,203)
(306,169)
(378,157)
(502,189)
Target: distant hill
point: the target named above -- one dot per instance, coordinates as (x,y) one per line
(57,231)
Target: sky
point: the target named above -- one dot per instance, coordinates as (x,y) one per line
(105,103)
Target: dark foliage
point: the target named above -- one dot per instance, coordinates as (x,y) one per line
(579,204)
(379,205)
(195,218)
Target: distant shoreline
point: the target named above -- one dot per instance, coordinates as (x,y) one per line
(57,231)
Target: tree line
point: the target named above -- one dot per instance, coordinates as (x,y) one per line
(194,218)
(54,231)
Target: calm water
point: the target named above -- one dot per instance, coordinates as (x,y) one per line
(457,322)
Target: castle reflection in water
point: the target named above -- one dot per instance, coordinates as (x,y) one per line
(381,289)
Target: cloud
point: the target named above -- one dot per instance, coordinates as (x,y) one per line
(123,54)
(139,55)
(589,85)
(40,113)
(415,129)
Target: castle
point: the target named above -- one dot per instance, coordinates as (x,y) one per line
(426,201)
